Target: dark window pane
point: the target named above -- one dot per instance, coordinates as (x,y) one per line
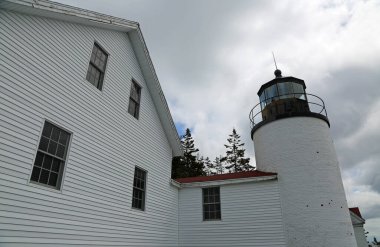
(97,62)
(52,147)
(63,138)
(39,159)
(43,144)
(55,165)
(47,162)
(205,199)
(35,174)
(96,79)
(47,130)
(44,176)
(53,179)
(132,107)
(142,185)
(60,151)
(207,215)
(55,134)
(217,199)
(139,194)
(218,215)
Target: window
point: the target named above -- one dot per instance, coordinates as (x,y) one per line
(211,203)
(51,156)
(271,93)
(97,67)
(134,100)
(139,182)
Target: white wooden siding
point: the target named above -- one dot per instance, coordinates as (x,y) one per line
(251,216)
(43,66)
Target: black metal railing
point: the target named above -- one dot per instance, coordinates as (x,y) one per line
(315,105)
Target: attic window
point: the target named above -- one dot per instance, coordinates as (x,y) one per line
(211,203)
(134,100)
(97,66)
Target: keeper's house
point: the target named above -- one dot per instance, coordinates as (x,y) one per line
(87,140)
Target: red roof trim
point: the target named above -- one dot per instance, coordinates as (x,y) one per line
(226,176)
(356,211)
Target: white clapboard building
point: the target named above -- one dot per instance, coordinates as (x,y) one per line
(87,140)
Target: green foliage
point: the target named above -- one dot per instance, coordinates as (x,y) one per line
(191,164)
(219,166)
(235,160)
(188,165)
(375,242)
(209,167)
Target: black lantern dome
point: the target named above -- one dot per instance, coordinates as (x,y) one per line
(285,97)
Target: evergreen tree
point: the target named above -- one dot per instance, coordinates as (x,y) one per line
(219,166)
(235,160)
(178,168)
(375,242)
(209,167)
(188,165)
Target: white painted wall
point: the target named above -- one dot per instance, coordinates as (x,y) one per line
(359,230)
(43,66)
(251,216)
(301,151)
(360,236)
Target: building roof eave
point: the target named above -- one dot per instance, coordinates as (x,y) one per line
(223,182)
(155,89)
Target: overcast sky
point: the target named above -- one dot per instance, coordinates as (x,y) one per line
(212,56)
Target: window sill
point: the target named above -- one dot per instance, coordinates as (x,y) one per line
(44,187)
(216,220)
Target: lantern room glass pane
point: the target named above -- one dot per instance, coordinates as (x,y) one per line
(262,100)
(285,90)
(271,93)
(299,92)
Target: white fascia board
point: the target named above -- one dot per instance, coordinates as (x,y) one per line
(356,220)
(47,8)
(224,182)
(153,84)
(175,183)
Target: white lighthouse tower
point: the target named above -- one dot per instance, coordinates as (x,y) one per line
(291,136)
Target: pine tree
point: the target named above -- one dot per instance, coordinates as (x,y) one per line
(375,242)
(235,160)
(178,168)
(219,166)
(188,165)
(209,167)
